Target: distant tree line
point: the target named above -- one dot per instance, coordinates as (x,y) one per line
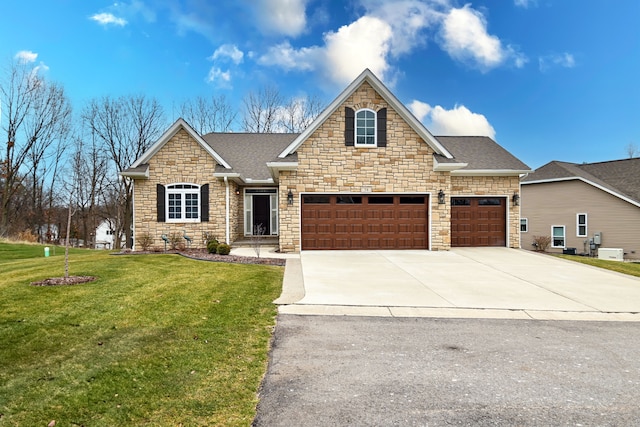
(53,159)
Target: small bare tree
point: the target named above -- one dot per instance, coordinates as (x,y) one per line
(632,150)
(257,238)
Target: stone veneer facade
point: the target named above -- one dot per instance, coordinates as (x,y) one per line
(181,160)
(405,165)
(325,165)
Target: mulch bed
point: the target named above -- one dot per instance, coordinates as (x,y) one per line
(203,255)
(64,281)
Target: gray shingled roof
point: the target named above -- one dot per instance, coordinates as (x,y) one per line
(481,153)
(619,176)
(248,153)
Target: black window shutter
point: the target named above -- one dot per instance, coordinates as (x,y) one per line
(160,203)
(204,203)
(382,127)
(349,126)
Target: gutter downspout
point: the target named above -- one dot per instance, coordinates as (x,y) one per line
(228,209)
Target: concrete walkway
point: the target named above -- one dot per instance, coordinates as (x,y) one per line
(463,282)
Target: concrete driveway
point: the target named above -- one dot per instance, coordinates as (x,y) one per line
(463,282)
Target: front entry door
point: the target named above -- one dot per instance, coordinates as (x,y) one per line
(261,213)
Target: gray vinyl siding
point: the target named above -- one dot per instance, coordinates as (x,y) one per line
(558,203)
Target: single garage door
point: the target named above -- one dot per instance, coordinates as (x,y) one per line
(478,221)
(364,222)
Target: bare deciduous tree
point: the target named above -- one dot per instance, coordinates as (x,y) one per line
(207,115)
(298,113)
(267,111)
(36,116)
(127,127)
(261,110)
(632,150)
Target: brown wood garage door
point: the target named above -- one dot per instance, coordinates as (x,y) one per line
(364,222)
(478,221)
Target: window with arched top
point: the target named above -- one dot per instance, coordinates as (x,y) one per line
(365,127)
(183,202)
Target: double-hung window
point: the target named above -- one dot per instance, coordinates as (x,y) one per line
(581,225)
(183,203)
(366,128)
(557,236)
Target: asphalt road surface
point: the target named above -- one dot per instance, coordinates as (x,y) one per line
(380,371)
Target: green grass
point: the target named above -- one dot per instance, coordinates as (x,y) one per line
(157,340)
(631,268)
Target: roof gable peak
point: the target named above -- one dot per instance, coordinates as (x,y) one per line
(368,76)
(170,133)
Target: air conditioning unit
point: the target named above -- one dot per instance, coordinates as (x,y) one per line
(611,254)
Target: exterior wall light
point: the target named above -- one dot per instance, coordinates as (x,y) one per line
(441,197)
(290,197)
(516,199)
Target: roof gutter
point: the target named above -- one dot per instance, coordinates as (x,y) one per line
(490,172)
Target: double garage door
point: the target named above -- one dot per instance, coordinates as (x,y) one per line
(365,222)
(396,222)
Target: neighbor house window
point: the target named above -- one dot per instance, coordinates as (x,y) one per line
(557,236)
(183,203)
(524,225)
(366,128)
(581,227)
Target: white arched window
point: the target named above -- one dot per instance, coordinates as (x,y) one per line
(183,203)
(365,128)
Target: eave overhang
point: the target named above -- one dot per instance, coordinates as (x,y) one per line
(490,172)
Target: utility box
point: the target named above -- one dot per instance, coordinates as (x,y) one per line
(597,238)
(611,254)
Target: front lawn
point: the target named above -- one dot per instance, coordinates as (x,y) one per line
(631,268)
(157,340)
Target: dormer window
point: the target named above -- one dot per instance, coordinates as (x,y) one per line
(366,128)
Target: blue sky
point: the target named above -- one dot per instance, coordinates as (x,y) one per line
(547,79)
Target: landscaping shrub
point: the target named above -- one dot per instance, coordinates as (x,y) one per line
(223,249)
(145,241)
(27,236)
(212,246)
(175,241)
(541,243)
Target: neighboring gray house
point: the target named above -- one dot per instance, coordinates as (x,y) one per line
(573,203)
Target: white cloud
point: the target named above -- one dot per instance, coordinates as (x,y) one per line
(391,29)
(465,38)
(285,17)
(362,44)
(408,19)
(219,78)
(26,56)
(459,121)
(525,3)
(108,19)
(285,56)
(228,51)
(563,60)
